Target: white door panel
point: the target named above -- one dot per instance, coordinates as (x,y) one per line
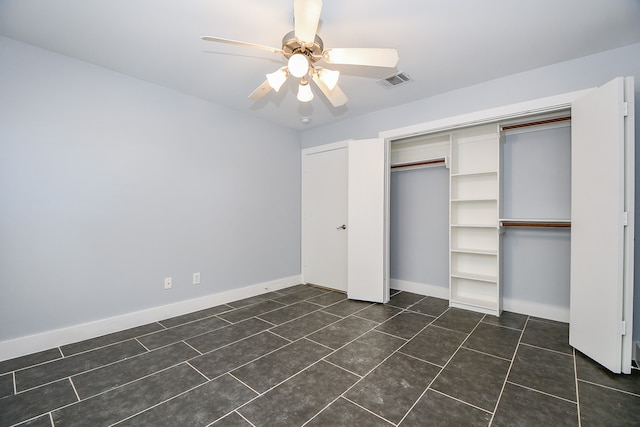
(324,214)
(597,225)
(367,225)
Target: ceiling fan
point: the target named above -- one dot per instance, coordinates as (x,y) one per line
(303,48)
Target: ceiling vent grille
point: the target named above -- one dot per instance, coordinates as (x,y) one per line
(399,79)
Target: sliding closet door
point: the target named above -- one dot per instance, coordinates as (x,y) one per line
(601,241)
(368,272)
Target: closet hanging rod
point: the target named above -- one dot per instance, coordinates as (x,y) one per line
(524,223)
(423,163)
(536,123)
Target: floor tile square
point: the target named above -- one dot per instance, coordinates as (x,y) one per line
(344,413)
(220,337)
(435,409)
(346,307)
(544,370)
(6,385)
(109,339)
(338,334)
(508,320)
(255,299)
(196,315)
(198,407)
(379,312)
(434,344)
(405,299)
(302,295)
(181,332)
(590,371)
(269,370)
(230,357)
(61,368)
(405,325)
(289,312)
(459,320)
(523,407)
(99,380)
(22,406)
(305,325)
(29,360)
(240,314)
(329,298)
(474,378)
(600,406)
(128,400)
(547,334)
(494,340)
(363,354)
(392,388)
(431,306)
(286,405)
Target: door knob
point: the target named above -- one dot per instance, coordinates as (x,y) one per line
(342,227)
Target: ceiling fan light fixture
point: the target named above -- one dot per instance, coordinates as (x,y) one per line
(298,65)
(329,77)
(277,78)
(304,91)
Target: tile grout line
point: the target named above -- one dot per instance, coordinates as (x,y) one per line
(506,378)
(609,387)
(542,392)
(548,349)
(73,386)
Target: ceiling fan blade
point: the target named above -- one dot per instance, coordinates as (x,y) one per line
(336,96)
(238,43)
(261,91)
(374,57)
(306,18)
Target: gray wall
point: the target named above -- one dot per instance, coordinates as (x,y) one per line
(582,73)
(108,184)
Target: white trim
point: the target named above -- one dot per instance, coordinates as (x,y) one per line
(420,288)
(536,106)
(50,339)
(544,311)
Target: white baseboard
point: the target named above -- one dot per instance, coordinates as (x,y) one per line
(420,288)
(50,339)
(544,311)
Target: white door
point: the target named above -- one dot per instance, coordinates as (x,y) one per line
(601,244)
(324,193)
(368,269)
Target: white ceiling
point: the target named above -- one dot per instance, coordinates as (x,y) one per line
(443,44)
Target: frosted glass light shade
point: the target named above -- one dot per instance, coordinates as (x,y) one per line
(304,92)
(298,65)
(277,78)
(329,77)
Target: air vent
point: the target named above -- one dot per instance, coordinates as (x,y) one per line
(396,80)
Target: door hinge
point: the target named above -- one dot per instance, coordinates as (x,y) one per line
(625,218)
(623,328)
(625,109)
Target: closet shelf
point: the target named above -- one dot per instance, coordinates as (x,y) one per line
(473,251)
(492,226)
(477,199)
(470,303)
(473,276)
(454,175)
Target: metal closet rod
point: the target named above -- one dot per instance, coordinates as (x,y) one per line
(535,224)
(423,163)
(536,123)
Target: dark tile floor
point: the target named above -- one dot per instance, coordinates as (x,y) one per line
(308,356)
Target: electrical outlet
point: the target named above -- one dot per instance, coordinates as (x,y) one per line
(167,283)
(196,278)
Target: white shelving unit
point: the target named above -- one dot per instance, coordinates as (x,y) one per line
(474,262)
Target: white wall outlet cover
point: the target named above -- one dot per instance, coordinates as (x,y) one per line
(196,278)
(167,283)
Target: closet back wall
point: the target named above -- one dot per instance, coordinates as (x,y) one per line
(419,231)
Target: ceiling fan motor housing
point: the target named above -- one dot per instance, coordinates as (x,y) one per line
(291,45)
